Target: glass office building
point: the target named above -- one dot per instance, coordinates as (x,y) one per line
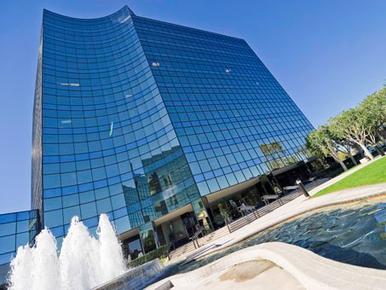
(16,229)
(152,123)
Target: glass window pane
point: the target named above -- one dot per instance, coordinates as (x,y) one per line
(7,229)
(7,244)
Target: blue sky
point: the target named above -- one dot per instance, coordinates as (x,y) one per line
(327,54)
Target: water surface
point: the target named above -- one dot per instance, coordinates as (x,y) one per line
(355,235)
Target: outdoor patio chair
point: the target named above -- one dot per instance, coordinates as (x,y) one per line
(245,209)
(267,197)
(290,187)
(309,180)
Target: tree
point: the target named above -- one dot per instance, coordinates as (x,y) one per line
(320,142)
(375,104)
(342,145)
(353,126)
(373,110)
(346,147)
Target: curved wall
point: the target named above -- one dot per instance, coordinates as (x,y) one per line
(107,142)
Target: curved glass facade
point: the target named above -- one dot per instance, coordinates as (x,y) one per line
(139,118)
(108,145)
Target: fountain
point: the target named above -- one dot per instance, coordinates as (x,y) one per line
(83,262)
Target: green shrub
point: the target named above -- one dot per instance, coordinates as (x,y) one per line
(161,252)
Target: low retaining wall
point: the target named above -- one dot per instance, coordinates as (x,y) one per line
(136,278)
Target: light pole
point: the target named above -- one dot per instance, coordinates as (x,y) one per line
(302,188)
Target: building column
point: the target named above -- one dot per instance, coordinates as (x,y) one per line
(148,237)
(264,181)
(201,214)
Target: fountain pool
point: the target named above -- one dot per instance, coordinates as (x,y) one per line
(82,263)
(352,234)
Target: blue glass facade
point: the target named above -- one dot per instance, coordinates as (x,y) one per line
(107,142)
(16,229)
(138,118)
(224,104)
(148,122)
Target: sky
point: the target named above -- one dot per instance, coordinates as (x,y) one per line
(327,54)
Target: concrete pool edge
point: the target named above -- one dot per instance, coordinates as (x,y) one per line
(291,210)
(310,270)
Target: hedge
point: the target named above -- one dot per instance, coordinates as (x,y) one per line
(161,252)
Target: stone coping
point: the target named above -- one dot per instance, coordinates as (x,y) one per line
(135,278)
(310,270)
(293,209)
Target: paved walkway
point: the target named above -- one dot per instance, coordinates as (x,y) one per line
(311,270)
(205,242)
(292,209)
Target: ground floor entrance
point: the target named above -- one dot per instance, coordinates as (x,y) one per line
(132,245)
(212,212)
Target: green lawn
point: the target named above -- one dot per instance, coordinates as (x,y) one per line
(371,174)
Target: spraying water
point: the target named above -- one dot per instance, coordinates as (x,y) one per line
(83,262)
